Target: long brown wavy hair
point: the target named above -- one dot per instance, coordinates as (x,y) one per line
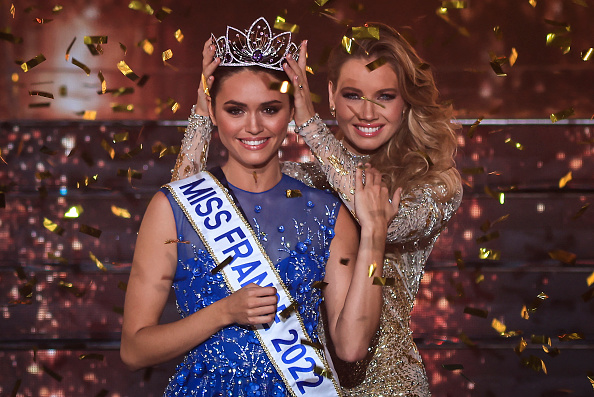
(423,148)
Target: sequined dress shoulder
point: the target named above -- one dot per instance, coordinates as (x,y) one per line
(296,233)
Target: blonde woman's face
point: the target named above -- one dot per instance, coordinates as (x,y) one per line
(368,104)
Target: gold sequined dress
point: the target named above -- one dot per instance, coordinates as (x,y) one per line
(393,366)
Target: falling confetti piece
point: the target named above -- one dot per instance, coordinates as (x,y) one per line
(141,6)
(224,263)
(285,313)
(553,352)
(535,363)
(565,257)
(179,36)
(12,12)
(74,212)
(321,3)
(564,180)
(51,373)
(513,57)
(167,54)
(41,21)
(281,24)
(91,231)
(177,241)
(476,312)
(486,253)
(515,144)
(91,356)
(488,237)
(42,94)
(118,107)
(120,212)
(521,346)
(81,65)
(126,71)
(466,340)
(293,193)
(590,279)
(571,336)
(372,268)
(147,46)
(562,115)
(473,128)
(11,38)
(111,151)
(315,345)
(372,101)
(384,281)
(540,340)
(95,39)
(498,326)
(376,64)
(591,378)
(586,55)
(103,83)
(52,227)
(365,32)
(97,262)
(454,4)
(30,64)
(323,372)
(580,211)
(162,13)
(459,260)
(123,48)
(57,258)
(344,261)
(40,105)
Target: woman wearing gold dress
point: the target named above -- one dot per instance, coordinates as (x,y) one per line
(386,105)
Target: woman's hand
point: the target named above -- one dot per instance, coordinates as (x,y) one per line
(304,109)
(251,305)
(209,64)
(372,205)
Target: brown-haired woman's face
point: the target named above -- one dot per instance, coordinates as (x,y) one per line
(368,104)
(251,117)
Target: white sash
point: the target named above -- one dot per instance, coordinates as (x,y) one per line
(225,233)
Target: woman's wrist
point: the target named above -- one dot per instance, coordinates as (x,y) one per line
(302,126)
(198,116)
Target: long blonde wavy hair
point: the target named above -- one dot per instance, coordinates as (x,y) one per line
(423,148)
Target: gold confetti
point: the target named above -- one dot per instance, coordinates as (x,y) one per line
(473,128)
(571,336)
(30,64)
(285,313)
(580,211)
(590,378)
(535,363)
(95,39)
(536,302)
(167,54)
(129,173)
(454,4)
(40,105)
(123,48)
(141,6)
(12,12)
(57,258)
(323,372)
(442,13)
(221,265)
(51,373)
(498,32)
(521,346)
(121,212)
(57,8)
(162,13)
(42,93)
(69,48)
(347,44)
(105,145)
(496,66)
(561,40)
(452,367)
(486,253)
(365,32)
(97,262)
(42,20)
(376,64)
(488,224)
(553,352)
(142,80)
(179,36)
(255,176)
(459,260)
(91,356)
(293,193)
(319,284)
(532,3)
(74,212)
(488,237)
(169,150)
(81,65)
(281,24)
(476,312)
(91,231)
(586,55)
(372,101)
(118,107)
(321,3)
(590,279)
(147,46)
(565,180)
(11,38)
(499,196)
(121,137)
(178,241)
(315,345)
(498,326)
(344,261)
(384,281)
(103,83)
(513,57)
(52,227)
(43,175)
(89,114)
(515,144)
(372,268)
(565,257)
(562,115)
(466,340)
(540,340)
(133,152)
(126,71)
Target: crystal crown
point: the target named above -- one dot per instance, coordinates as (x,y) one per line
(256,47)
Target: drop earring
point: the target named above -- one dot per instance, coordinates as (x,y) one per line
(333,111)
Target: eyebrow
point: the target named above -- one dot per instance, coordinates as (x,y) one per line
(236,103)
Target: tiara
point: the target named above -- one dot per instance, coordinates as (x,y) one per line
(256,47)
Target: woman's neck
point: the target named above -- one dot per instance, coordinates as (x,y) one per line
(253,179)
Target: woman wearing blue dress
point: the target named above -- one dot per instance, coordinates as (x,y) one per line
(312,243)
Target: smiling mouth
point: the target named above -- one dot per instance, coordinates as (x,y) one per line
(368,130)
(253,143)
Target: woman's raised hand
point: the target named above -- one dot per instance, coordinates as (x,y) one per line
(373,206)
(209,64)
(304,109)
(251,305)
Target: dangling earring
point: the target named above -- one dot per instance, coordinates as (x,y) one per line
(333,111)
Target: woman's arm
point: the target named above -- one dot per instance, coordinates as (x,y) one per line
(353,301)
(194,148)
(145,342)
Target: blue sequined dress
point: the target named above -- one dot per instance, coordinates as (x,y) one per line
(296,233)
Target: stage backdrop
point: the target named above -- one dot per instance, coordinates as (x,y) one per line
(506,304)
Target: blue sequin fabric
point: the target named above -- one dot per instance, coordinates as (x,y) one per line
(296,233)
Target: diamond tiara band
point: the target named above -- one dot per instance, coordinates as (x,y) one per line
(254,47)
